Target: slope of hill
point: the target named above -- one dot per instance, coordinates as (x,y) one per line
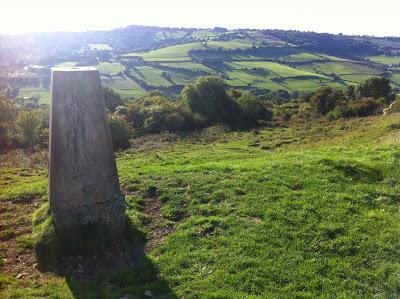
(138,59)
(307,210)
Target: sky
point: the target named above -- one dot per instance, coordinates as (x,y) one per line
(380,18)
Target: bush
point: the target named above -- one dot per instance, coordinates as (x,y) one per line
(29,127)
(326,99)
(376,88)
(5,140)
(395,106)
(157,114)
(120,132)
(112,99)
(253,110)
(209,98)
(364,107)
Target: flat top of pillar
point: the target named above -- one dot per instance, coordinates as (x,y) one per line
(74,69)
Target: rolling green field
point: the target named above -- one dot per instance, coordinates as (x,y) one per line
(36,92)
(246,60)
(389,60)
(303,211)
(111,68)
(296,69)
(101,47)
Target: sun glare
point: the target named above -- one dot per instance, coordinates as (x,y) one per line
(351,17)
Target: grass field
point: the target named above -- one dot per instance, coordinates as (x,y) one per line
(124,86)
(173,53)
(101,47)
(389,60)
(111,68)
(67,64)
(303,211)
(295,68)
(190,66)
(344,68)
(36,92)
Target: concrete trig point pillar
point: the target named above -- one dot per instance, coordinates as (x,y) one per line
(83,179)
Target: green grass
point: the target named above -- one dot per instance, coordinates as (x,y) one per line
(172,53)
(36,92)
(153,76)
(181,52)
(395,78)
(389,60)
(20,183)
(192,66)
(280,61)
(344,68)
(101,47)
(126,87)
(306,211)
(111,68)
(274,69)
(67,64)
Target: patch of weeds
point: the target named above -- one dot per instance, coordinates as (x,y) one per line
(151,191)
(173,213)
(393,127)
(7,234)
(355,170)
(239,192)
(25,243)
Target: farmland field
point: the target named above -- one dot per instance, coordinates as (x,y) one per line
(168,59)
(389,60)
(111,68)
(34,92)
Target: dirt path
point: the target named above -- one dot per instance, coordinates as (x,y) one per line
(157,228)
(17,255)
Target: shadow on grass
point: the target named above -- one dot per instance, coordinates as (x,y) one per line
(140,280)
(96,263)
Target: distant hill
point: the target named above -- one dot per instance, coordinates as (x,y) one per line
(138,59)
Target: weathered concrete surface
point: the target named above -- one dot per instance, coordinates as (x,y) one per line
(83,178)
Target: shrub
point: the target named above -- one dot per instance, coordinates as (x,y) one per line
(5,140)
(364,107)
(253,109)
(209,97)
(29,126)
(157,114)
(120,132)
(375,87)
(112,99)
(326,99)
(395,106)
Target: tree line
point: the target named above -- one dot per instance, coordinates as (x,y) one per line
(207,102)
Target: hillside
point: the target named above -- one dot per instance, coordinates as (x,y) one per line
(303,210)
(137,59)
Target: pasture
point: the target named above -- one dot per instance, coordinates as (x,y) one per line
(301,211)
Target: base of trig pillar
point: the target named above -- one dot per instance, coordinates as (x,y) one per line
(110,214)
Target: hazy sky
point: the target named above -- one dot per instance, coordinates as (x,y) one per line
(347,16)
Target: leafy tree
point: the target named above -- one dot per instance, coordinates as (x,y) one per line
(112,99)
(351,93)
(209,97)
(365,107)
(158,113)
(253,109)
(120,132)
(5,139)
(326,99)
(376,88)
(29,128)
